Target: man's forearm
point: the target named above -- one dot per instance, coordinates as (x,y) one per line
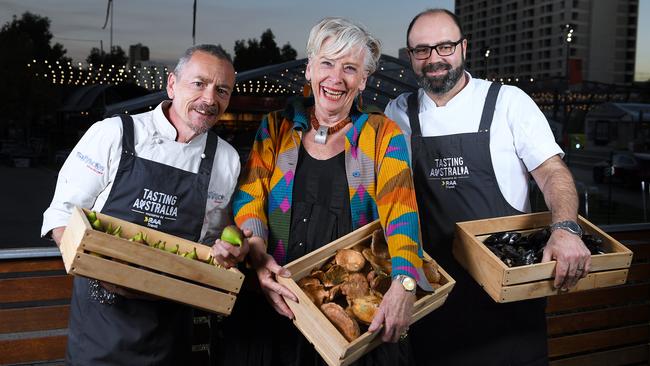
(57,233)
(556,183)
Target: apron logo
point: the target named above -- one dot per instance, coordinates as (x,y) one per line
(448,184)
(445,168)
(156,206)
(152,221)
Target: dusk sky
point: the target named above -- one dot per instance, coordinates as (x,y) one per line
(167,29)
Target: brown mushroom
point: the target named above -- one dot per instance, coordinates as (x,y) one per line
(380,265)
(341,320)
(355,286)
(364,308)
(381,283)
(316,293)
(378,245)
(430,268)
(334,276)
(328,264)
(349,259)
(334,292)
(317,273)
(309,280)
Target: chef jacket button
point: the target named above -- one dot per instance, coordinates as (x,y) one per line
(160,141)
(202,156)
(300,244)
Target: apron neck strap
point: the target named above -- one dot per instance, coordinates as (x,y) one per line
(210,150)
(128,136)
(488,107)
(413,113)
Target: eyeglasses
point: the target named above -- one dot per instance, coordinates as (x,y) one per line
(442,49)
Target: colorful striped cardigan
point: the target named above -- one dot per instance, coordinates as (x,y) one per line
(378,174)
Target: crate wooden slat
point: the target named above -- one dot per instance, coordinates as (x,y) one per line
(327,340)
(95,254)
(506,284)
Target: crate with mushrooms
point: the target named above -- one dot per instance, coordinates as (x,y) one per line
(340,287)
(503,255)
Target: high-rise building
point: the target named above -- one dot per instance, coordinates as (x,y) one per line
(522,39)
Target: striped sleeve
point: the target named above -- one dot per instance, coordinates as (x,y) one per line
(250,199)
(396,203)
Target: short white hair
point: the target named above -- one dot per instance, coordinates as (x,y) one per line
(345,35)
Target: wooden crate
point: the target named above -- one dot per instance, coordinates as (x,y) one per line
(95,254)
(506,284)
(327,340)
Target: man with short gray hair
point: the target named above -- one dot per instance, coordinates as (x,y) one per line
(125,167)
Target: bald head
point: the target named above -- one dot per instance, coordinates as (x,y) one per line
(434,12)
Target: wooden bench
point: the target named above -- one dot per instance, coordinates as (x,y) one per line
(34,306)
(610,326)
(35,296)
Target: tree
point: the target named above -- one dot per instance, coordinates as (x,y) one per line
(253,53)
(26,97)
(117,57)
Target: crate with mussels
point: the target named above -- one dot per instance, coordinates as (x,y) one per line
(503,255)
(340,287)
(108,249)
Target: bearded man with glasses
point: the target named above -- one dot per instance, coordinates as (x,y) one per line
(474,145)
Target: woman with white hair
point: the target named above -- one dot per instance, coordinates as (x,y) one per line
(318,170)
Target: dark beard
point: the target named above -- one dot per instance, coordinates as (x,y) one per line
(440,84)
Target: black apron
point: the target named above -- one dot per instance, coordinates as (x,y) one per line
(455,181)
(255,334)
(131,331)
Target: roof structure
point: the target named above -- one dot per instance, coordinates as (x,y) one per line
(633,112)
(393,77)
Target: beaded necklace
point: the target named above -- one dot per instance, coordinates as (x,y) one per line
(322,131)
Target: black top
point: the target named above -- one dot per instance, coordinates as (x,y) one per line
(321,204)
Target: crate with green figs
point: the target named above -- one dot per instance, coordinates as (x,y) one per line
(140,258)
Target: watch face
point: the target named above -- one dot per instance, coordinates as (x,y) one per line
(573,226)
(408,283)
(570,226)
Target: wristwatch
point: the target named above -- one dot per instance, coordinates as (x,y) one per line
(407,282)
(568,225)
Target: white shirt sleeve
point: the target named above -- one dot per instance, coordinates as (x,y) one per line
(86,173)
(533,138)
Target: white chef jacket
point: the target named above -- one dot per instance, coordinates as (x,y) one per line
(520,136)
(87,176)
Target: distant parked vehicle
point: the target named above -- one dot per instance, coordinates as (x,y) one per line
(624,167)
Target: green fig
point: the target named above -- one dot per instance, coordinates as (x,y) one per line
(172,250)
(232,235)
(138,238)
(117,231)
(191,255)
(97,225)
(92,216)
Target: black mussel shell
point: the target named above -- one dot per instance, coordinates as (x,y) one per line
(593,243)
(515,249)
